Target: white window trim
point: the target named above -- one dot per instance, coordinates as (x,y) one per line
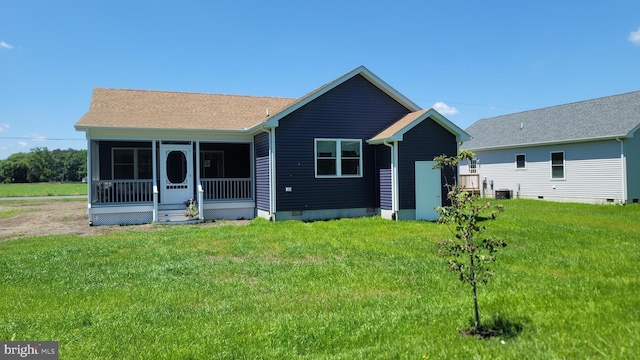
(564,166)
(525,161)
(474,166)
(338,159)
(136,174)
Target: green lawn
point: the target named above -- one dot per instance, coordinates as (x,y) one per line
(42,189)
(565,287)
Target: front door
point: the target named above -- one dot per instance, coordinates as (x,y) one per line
(428,190)
(176,173)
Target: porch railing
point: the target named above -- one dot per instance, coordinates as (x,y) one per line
(470,183)
(227,189)
(122,191)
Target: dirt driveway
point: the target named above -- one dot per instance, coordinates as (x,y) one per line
(28,218)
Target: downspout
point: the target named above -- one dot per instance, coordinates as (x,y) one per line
(394,179)
(272,163)
(623,164)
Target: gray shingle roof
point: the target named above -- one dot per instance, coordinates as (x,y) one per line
(606,117)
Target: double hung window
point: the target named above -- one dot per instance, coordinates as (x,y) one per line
(473,166)
(521,161)
(131,163)
(557,165)
(338,157)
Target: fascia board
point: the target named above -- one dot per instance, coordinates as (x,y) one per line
(546,143)
(98,133)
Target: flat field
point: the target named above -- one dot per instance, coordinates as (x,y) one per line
(42,189)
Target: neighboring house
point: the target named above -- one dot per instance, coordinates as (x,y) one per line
(353,147)
(587,151)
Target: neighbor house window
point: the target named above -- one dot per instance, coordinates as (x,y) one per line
(521,161)
(557,165)
(131,163)
(340,157)
(473,166)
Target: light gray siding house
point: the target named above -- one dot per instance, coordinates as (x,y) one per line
(587,151)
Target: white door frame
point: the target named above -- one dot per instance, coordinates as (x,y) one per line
(176,193)
(428,190)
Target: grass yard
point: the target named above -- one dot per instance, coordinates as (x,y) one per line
(42,189)
(565,287)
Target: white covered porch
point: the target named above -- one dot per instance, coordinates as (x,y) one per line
(138,182)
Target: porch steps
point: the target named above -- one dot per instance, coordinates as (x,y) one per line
(175,217)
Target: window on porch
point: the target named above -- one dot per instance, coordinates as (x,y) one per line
(126,173)
(225,171)
(132,163)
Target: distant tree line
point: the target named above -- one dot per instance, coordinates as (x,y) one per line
(42,165)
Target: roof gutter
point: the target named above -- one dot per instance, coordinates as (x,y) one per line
(543,143)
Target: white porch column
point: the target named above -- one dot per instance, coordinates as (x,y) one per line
(89,174)
(154,168)
(197,167)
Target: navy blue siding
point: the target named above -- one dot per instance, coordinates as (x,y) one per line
(262,183)
(261,148)
(355,109)
(383,162)
(422,143)
(386,192)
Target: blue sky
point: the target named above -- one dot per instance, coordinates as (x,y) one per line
(480,59)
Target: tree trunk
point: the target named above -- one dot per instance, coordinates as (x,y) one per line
(476,325)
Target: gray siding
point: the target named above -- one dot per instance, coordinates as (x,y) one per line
(632,152)
(593,172)
(355,109)
(422,143)
(262,171)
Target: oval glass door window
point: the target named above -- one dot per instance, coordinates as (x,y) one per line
(176,167)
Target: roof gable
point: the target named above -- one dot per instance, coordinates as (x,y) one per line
(361,70)
(396,131)
(602,118)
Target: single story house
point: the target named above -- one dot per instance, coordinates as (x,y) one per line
(353,147)
(587,151)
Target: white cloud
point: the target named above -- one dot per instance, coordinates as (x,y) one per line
(4,45)
(22,144)
(634,37)
(444,109)
(3,127)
